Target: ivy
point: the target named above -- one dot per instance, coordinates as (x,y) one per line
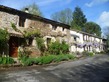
(40,43)
(4,36)
(31,33)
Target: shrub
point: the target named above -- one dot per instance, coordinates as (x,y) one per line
(61,58)
(40,43)
(31,32)
(64,57)
(23,58)
(6,60)
(57,48)
(78,53)
(86,53)
(71,56)
(91,54)
(4,36)
(28,61)
(46,59)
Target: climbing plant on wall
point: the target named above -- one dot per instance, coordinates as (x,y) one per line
(4,36)
(40,43)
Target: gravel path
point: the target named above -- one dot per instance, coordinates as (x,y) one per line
(93,69)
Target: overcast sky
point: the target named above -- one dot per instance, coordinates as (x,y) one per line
(95,10)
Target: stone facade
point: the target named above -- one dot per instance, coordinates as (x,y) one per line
(49,29)
(26,22)
(6,19)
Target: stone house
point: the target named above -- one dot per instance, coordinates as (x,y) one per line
(50,30)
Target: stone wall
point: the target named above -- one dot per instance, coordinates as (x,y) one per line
(6,19)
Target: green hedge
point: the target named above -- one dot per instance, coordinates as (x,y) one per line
(6,60)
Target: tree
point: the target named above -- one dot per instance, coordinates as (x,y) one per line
(92,28)
(106,36)
(105,31)
(33,9)
(64,16)
(78,19)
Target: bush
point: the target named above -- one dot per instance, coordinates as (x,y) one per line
(46,59)
(23,58)
(71,56)
(26,61)
(91,54)
(4,36)
(40,44)
(6,60)
(57,48)
(54,58)
(64,57)
(86,53)
(61,58)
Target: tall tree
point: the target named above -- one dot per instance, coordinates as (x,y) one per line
(79,19)
(64,16)
(92,28)
(33,9)
(105,31)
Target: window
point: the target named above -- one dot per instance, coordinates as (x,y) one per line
(83,37)
(30,41)
(63,29)
(54,27)
(48,41)
(21,21)
(75,38)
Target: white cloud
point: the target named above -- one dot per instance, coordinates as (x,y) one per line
(95,2)
(103,20)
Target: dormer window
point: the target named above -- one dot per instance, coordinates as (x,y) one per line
(21,21)
(54,27)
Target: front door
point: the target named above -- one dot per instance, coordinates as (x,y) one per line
(13,47)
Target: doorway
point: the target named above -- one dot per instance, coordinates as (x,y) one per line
(13,46)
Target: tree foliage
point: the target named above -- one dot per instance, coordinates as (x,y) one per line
(33,9)
(105,31)
(106,36)
(78,19)
(92,28)
(64,16)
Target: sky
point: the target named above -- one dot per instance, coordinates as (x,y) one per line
(95,10)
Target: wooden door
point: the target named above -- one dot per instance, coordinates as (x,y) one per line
(13,47)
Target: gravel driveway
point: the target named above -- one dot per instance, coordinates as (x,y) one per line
(93,69)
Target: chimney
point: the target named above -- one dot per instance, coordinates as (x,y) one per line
(26,10)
